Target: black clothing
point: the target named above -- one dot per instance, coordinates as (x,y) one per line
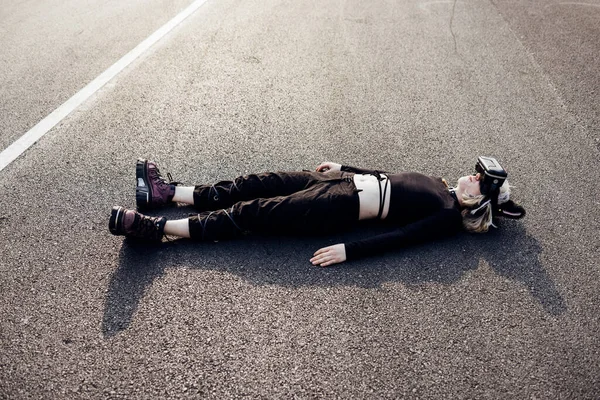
(421,205)
(421,208)
(276,203)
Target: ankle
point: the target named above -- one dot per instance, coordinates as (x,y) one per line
(184,194)
(178,227)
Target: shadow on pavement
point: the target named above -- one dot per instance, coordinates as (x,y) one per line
(509,251)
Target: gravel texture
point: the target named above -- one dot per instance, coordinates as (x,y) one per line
(248,86)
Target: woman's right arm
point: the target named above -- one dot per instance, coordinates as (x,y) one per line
(357,170)
(331,166)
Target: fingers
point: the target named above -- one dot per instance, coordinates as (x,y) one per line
(324,260)
(329,166)
(324,167)
(322,250)
(328,263)
(318,258)
(321,256)
(326,256)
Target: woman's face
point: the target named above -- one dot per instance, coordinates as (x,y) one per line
(470,185)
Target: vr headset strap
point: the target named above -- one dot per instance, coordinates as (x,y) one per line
(481,205)
(493,201)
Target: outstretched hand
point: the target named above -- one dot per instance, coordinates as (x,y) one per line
(329,166)
(329,255)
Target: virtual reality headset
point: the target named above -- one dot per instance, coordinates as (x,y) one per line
(492,178)
(492,175)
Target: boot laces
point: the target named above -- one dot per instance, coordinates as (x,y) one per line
(147,227)
(159,180)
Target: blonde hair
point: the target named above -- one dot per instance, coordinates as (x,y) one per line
(482,223)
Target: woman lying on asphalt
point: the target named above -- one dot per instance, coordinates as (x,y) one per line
(334,198)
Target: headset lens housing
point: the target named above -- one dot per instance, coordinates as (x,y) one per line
(492,174)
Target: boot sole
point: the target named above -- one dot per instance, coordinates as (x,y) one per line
(116,220)
(143,192)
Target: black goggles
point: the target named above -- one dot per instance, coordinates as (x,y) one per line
(492,175)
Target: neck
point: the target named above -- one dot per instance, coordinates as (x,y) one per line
(457,195)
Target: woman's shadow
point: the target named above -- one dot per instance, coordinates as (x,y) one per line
(509,251)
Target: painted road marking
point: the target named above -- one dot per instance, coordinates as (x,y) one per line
(19,146)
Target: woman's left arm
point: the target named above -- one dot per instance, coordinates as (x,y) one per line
(329,255)
(444,223)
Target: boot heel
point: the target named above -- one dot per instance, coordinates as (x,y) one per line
(116,215)
(142,191)
(141,199)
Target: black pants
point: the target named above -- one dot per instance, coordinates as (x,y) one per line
(303,203)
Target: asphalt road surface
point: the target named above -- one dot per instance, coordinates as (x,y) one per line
(249,86)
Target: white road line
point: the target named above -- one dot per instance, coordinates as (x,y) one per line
(19,146)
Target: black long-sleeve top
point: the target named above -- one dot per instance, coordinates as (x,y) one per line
(421,207)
